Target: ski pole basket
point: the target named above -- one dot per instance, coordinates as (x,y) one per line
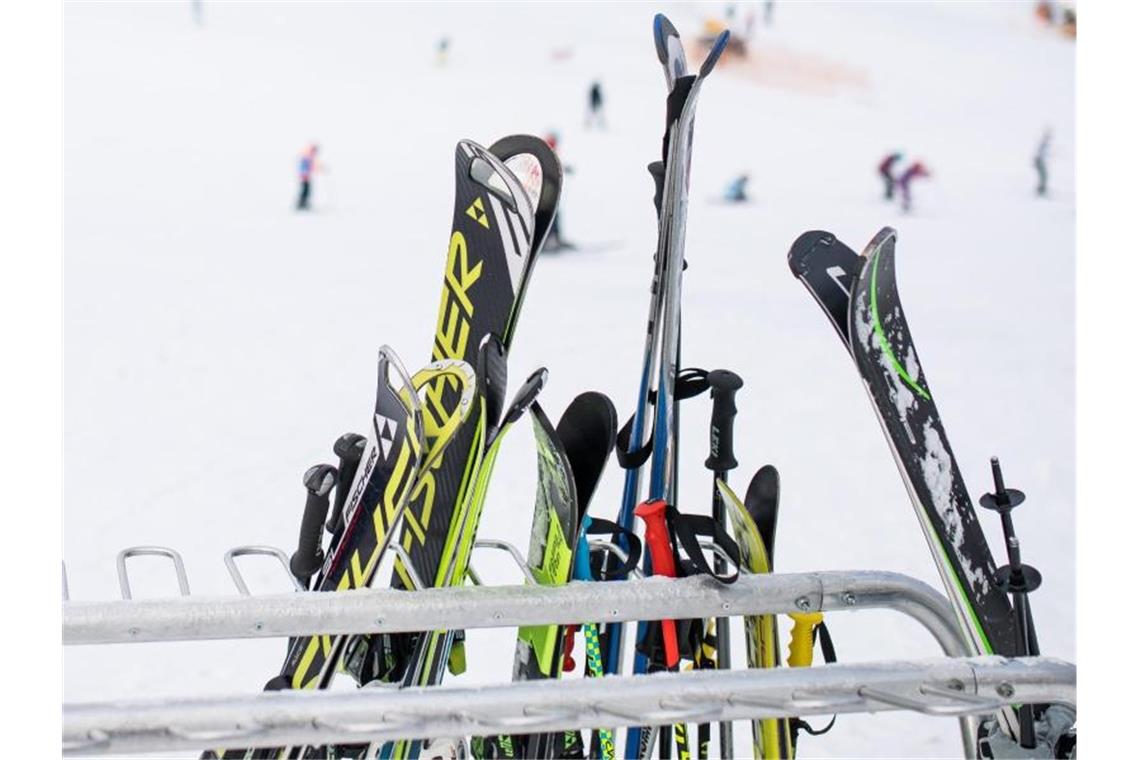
(954,685)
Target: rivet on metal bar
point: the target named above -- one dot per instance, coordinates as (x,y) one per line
(216,735)
(153,551)
(417,582)
(66,593)
(963,704)
(509,548)
(600,544)
(264,551)
(95,738)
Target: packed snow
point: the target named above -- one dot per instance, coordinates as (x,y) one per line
(217,341)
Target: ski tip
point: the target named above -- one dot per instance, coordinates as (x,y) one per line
(802,248)
(663,29)
(884,238)
(718,46)
(765,486)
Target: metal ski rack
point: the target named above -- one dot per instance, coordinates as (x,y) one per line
(954,685)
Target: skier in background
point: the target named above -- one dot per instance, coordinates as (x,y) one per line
(886,171)
(913,172)
(554,241)
(735,192)
(1039,159)
(441,51)
(596,111)
(305,169)
(768,12)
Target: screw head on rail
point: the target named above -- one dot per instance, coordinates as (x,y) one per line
(1005,690)
(803,603)
(848,598)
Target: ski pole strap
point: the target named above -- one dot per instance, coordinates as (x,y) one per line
(607,570)
(689,383)
(687,529)
(827,648)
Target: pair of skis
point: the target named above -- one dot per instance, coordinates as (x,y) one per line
(431,449)
(859,294)
(656,392)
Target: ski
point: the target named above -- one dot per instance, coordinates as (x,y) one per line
(571,459)
(505,200)
(663,341)
(876,334)
(754,524)
(394,457)
(888,361)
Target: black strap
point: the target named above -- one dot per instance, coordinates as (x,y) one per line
(604,571)
(689,383)
(686,529)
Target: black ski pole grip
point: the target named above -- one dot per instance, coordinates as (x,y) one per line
(318,480)
(724,384)
(348,448)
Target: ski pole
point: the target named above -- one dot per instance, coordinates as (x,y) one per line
(661,557)
(724,384)
(349,448)
(594,666)
(308,558)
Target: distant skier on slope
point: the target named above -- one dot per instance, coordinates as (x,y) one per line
(913,172)
(886,171)
(596,106)
(736,191)
(554,241)
(441,51)
(1039,163)
(305,169)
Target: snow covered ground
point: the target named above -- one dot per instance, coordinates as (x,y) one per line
(216,342)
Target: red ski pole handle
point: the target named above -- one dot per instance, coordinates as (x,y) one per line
(661,557)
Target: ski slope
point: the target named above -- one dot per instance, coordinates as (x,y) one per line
(216,342)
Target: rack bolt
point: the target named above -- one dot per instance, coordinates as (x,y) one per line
(848,598)
(803,603)
(1005,690)
(257,626)
(379,621)
(133,631)
(725,606)
(955,685)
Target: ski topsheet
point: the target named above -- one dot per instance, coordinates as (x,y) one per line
(394,458)
(888,361)
(862,288)
(771,737)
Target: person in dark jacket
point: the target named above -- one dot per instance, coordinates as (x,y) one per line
(886,171)
(596,106)
(1039,163)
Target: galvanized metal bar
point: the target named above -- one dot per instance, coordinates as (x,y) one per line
(391,611)
(298,718)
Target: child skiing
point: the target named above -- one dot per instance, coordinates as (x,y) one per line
(886,171)
(305,169)
(913,172)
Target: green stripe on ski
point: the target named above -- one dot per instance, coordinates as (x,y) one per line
(884,344)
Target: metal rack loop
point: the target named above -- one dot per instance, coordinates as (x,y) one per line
(263,551)
(150,551)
